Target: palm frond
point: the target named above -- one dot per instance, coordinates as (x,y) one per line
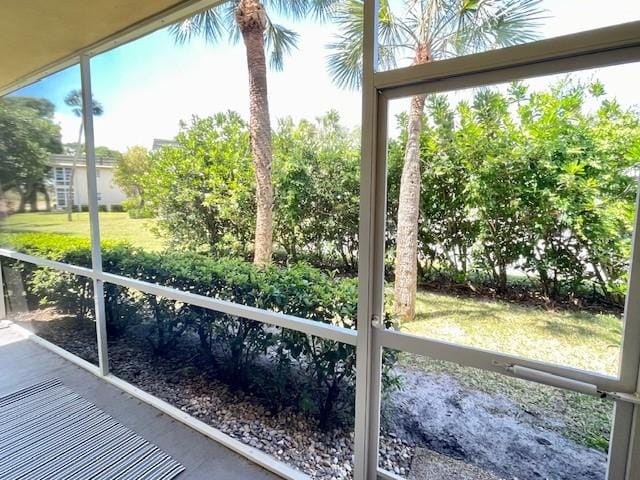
(517,21)
(212,25)
(279,41)
(345,60)
(323,10)
(73,99)
(496,24)
(97,107)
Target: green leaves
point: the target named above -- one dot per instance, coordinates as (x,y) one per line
(325,374)
(202,190)
(316,177)
(534,181)
(219,23)
(27,135)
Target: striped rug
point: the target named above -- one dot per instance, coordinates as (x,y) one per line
(47,431)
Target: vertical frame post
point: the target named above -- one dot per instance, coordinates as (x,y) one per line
(92,189)
(624,446)
(633,458)
(619,441)
(3,306)
(630,357)
(367,375)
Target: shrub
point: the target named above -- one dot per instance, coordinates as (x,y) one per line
(117,208)
(69,293)
(317,374)
(102,208)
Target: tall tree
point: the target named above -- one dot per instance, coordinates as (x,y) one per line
(74,100)
(250,20)
(27,135)
(426,30)
(130,170)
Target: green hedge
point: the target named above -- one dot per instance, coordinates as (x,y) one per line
(320,372)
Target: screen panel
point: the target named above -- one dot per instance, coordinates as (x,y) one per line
(503,194)
(418,32)
(442,420)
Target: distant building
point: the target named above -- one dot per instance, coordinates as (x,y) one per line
(61,167)
(158,143)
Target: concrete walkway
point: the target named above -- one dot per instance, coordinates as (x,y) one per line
(24,363)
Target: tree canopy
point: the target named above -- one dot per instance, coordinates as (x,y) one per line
(28,134)
(542,182)
(539,182)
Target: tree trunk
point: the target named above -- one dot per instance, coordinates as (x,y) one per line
(32,198)
(406,268)
(251,20)
(22,207)
(47,198)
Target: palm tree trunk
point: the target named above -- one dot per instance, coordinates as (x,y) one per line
(251,20)
(406,268)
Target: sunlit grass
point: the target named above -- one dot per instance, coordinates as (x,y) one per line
(117,226)
(577,339)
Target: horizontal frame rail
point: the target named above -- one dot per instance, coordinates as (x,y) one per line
(590,49)
(43,262)
(488,360)
(304,325)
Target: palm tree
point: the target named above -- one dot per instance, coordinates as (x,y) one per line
(250,20)
(427,30)
(74,100)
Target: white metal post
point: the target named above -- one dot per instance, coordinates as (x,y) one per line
(366,451)
(633,458)
(624,447)
(3,306)
(619,441)
(92,189)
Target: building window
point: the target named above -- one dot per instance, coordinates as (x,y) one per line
(62,176)
(61,197)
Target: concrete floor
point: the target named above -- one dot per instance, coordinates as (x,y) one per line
(24,363)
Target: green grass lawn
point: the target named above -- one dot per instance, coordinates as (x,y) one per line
(577,339)
(113,226)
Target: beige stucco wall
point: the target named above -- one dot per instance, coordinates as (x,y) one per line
(111,194)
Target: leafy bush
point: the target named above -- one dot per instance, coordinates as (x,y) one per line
(117,208)
(321,371)
(135,210)
(69,293)
(536,181)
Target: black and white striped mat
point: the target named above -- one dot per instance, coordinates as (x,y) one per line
(47,431)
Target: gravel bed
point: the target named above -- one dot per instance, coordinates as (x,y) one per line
(432,411)
(287,435)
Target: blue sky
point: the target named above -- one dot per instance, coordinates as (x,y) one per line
(148,86)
